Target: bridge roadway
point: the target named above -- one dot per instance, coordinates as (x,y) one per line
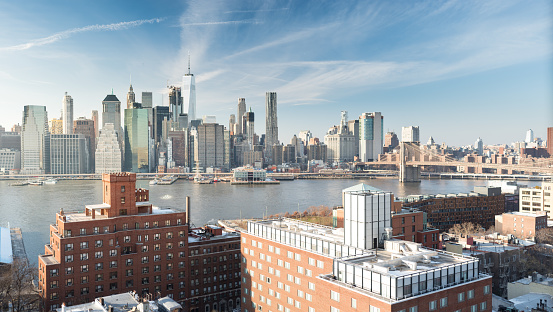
(516,167)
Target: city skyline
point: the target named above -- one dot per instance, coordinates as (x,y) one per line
(446,67)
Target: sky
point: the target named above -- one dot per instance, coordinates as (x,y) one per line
(457,69)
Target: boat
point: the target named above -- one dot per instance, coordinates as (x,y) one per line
(50,181)
(20,183)
(249,175)
(199,179)
(36,183)
(153,182)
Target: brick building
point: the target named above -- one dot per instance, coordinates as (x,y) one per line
(410,225)
(521,224)
(444,211)
(125,244)
(290,265)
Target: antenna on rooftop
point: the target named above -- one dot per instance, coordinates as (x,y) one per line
(188,62)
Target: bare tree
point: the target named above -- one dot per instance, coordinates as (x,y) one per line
(16,286)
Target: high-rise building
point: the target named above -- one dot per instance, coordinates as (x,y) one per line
(180,148)
(550,141)
(249,130)
(108,151)
(353,128)
(289,154)
(358,268)
(55,126)
(529,136)
(67,114)
(161,113)
(86,128)
(10,140)
(69,154)
(241,112)
(111,112)
(317,151)
(96,121)
(10,159)
(298,143)
(305,136)
(371,136)
(175,102)
(130,97)
(136,140)
(35,140)
(479,147)
(390,141)
(271,123)
(277,154)
(189,92)
(340,142)
(209,146)
(232,124)
(410,134)
(147,104)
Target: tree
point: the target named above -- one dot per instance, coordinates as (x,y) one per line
(16,286)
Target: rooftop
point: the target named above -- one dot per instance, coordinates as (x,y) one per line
(362,187)
(529,301)
(79,216)
(124,302)
(6,252)
(540,279)
(111,98)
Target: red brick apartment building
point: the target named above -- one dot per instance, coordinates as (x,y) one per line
(410,225)
(290,265)
(444,211)
(522,225)
(126,244)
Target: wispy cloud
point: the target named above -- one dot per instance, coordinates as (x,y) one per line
(68,33)
(256,11)
(223,23)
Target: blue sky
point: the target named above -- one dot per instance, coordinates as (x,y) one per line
(457,69)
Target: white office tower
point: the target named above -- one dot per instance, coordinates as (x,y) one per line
(271,123)
(479,147)
(371,136)
(35,148)
(67,114)
(209,119)
(108,151)
(189,93)
(240,116)
(529,136)
(367,216)
(305,136)
(410,134)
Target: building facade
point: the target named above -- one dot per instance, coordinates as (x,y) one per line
(410,134)
(340,147)
(209,145)
(528,224)
(35,140)
(241,111)
(271,122)
(86,128)
(538,199)
(55,126)
(111,112)
(371,136)
(189,93)
(136,140)
(108,151)
(9,160)
(67,114)
(69,154)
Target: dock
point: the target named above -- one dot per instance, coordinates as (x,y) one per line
(18,247)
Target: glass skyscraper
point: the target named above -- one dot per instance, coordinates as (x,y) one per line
(136,140)
(35,158)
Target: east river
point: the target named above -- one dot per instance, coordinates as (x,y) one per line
(33,208)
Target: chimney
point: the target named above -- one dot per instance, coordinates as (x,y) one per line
(187,200)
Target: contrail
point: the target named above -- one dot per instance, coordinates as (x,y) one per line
(68,33)
(223,23)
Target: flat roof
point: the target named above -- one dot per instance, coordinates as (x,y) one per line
(98,206)
(6,251)
(48,259)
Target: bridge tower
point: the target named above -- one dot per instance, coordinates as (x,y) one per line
(408,173)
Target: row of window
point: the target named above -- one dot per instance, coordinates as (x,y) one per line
(105,229)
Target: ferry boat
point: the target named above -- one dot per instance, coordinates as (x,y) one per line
(50,181)
(249,175)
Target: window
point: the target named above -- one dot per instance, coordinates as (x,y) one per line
(84,245)
(353,303)
(122,200)
(432,305)
(413,309)
(373,309)
(443,302)
(84,268)
(470,294)
(486,289)
(483,306)
(69,258)
(474,308)
(461,297)
(334,296)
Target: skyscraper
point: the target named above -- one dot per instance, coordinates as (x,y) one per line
(96,121)
(249,131)
(529,136)
(209,145)
(479,147)
(136,140)
(371,136)
(130,97)
(111,111)
(241,112)
(69,154)
(55,126)
(86,128)
(550,141)
(67,115)
(175,102)
(35,147)
(147,103)
(161,113)
(271,124)
(410,134)
(189,93)
(108,151)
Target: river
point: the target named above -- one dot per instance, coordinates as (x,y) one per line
(33,208)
